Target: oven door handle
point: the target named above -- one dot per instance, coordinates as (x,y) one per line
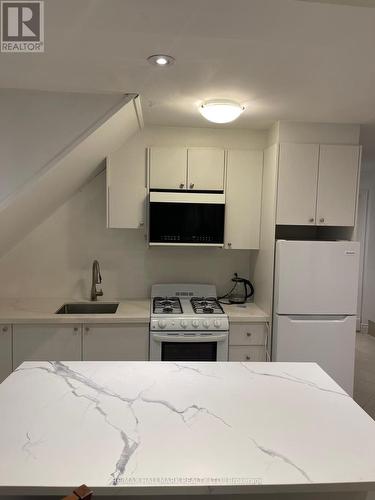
(188,338)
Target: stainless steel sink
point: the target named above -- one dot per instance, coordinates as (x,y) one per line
(88,308)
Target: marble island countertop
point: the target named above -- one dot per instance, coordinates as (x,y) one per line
(139,427)
(29,311)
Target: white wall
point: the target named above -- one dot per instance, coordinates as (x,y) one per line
(55,259)
(368,297)
(35,126)
(367,139)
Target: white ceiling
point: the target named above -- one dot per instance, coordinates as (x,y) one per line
(284,59)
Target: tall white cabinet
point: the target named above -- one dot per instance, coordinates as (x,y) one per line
(126,186)
(243,199)
(317,184)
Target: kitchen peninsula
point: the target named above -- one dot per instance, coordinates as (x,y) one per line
(139,428)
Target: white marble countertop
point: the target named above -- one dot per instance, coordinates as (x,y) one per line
(17,311)
(189,428)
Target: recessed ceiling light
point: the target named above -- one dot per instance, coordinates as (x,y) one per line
(220,110)
(161,60)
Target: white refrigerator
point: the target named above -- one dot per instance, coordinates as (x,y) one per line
(315,305)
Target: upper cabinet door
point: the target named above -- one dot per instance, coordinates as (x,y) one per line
(243,199)
(168,168)
(337,185)
(206,169)
(126,186)
(297,184)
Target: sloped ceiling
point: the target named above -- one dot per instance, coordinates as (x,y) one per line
(37,125)
(23,210)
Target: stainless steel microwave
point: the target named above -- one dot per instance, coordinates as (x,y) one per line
(186,218)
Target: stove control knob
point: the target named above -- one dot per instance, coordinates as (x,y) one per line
(162,323)
(206,323)
(217,323)
(183,323)
(195,323)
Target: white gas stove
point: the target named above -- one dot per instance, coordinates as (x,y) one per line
(187,324)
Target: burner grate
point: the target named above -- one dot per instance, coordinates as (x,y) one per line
(206,305)
(167,305)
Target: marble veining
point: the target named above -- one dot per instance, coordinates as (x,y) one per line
(292,378)
(172,424)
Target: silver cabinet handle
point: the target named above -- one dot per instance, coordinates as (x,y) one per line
(321,219)
(191,185)
(182,185)
(5,329)
(311,219)
(248,358)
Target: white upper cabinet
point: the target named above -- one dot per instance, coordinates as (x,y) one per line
(317,185)
(337,185)
(206,169)
(168,168)
(126,186)
(297,184)
(198,169)
(243,199)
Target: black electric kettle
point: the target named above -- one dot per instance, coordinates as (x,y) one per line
(240,292)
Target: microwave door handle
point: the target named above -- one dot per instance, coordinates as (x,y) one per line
(187,338)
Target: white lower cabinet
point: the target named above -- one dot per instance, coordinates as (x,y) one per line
(247,342)
(5,351)
(247,353)
(109,342)
(57,342)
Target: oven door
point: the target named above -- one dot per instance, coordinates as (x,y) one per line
(186,219)
(185,347)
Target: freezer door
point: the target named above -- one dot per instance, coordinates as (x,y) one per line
(326,340)
(316,277)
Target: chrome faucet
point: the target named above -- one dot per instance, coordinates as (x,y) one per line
(96,280)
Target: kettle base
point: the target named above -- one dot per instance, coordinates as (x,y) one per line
(236,300)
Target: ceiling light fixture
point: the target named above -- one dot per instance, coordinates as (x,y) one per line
(220,110)
(161,60)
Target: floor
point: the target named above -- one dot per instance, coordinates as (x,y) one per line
(364,379)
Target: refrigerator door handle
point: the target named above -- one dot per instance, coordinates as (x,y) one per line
(317,317)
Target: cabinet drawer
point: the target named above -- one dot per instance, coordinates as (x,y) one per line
(247,334)
(245,353)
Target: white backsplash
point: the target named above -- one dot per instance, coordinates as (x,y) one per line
(55,259)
